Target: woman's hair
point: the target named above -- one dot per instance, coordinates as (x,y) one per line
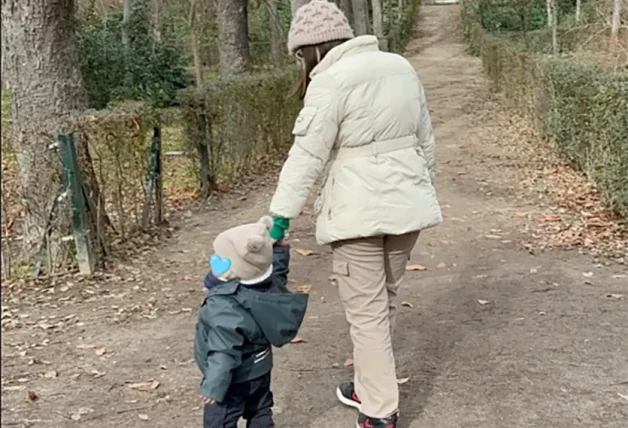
(310,56)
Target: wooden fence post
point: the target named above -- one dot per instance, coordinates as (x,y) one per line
(72,182)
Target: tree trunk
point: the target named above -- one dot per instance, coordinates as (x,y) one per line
(554,25)
(296,4)
(360,17)
(578,10)
(378,24)
(126,41)
(193,23)
(277,45)
(346,7)
(400,8)
(549,7)
(156,20)
(126,19)
(615,24)
(41,74)
(233,36)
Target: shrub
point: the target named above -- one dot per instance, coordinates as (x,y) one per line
(151,70)
(401,30)
(581,107)
(235,120)
(523,15)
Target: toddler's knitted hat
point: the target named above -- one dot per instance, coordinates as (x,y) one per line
(316,22)
(244,252)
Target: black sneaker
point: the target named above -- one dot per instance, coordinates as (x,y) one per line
(347,396)
(366,422)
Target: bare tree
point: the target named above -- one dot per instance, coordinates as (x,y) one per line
(615,23)
(126,20)
(378,23)
(360,16)
(156,20)
(296,4)
(194,23)
(346,7)
(549,7)
(277,45)
(554,25)
(233,36)
(40,71)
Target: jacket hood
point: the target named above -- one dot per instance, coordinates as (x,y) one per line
(278,315)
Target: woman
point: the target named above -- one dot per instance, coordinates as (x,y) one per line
(366,129)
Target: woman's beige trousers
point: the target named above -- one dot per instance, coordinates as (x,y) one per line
(369,272)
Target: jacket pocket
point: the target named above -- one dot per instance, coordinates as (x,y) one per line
(304,120)
(419,167)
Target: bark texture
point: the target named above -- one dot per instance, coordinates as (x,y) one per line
(40,72)
(360,17)
(378,24)
(233,36)
(277,43)
(296,4)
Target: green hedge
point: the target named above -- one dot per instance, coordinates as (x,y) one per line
(402,25)
(582,107)
(236,120)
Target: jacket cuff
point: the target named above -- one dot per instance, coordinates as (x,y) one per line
(217,392)
(280,225)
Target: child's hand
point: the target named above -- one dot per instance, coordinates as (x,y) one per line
(278,242)
(207,400)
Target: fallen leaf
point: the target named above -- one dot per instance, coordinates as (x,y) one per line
(493,237)
(297,340)
(51,374)
(14,388)
(407,304)
(587,274)
(143,417)
(32,395)
(144,386)
(483,302)
(101,351)
(441,265)
(349,362)
(333,279)
(80,412)
(551,218)
(403,380)
(304,288)
(521,215)
(86,346)
(335,365)
(304,252)
(97,374)
(624,396)
(616,296)
(415,268)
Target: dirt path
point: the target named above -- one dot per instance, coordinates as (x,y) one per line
(492,336)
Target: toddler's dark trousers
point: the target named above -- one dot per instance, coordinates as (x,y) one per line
(251,400)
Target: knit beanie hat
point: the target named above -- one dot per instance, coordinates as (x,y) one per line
(244,252)
(316,22)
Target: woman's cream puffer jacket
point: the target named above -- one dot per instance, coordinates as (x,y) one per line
(365,124)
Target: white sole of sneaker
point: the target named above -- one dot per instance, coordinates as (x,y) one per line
(344,400)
